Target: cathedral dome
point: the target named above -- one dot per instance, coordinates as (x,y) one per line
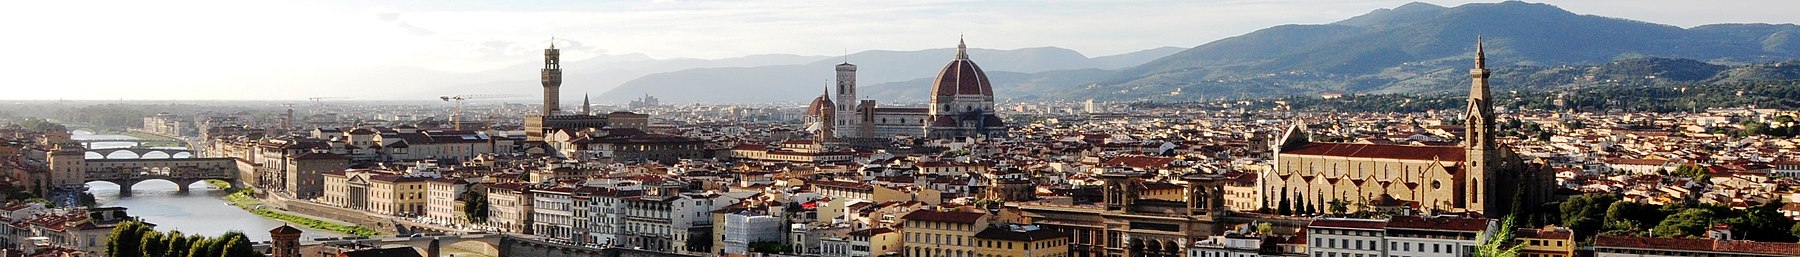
(961,77)
(821,106)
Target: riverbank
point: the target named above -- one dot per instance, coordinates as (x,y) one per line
(242,199)
(173,142)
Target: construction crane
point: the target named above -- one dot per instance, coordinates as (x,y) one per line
(316,99)
(456,118)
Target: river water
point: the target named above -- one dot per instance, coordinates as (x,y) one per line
(200,211)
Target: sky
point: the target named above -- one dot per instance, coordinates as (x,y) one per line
(284,50)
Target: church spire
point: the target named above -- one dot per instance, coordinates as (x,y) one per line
(1480,54)
(962,50)
(585,105)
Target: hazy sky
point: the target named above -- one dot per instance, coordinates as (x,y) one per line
(236,49)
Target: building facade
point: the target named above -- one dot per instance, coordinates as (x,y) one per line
(961,106)
(1445,178)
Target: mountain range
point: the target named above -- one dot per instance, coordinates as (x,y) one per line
(1413,48)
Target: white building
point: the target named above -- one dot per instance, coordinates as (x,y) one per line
(1228,245)
(553,214)
(1402,236)
(747,227)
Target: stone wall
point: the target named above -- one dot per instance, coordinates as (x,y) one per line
(521,247)
(335,213)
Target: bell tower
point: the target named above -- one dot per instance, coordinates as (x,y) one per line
(1479,142)
(552,76)
(847,112)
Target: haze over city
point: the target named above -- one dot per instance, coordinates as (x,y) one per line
(1297,128)
(288,50)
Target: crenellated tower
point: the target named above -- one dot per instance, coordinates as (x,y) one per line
(552,76)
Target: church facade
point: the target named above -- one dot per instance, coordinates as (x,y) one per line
(1477,176)
(961,106)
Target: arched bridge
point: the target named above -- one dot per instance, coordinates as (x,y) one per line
(183,172)
(139,152)
(485,243)
(136,142)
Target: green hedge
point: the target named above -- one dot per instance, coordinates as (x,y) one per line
(242,200)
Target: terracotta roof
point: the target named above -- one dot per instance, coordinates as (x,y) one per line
(1142,162)
(1438,223)
(871,232)
(1348,224)
(320,156)
(1563,234)
(937,216)
(1404,152)
(842,184)
(998,233)
(961,77)
(1687,244)
(284,229)
(821,106)
(902,110)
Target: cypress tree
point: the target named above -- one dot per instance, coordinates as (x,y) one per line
(153,244)
(239,247)
(1285,207)
(177,245)
(197,248)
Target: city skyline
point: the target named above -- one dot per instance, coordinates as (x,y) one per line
(288,50)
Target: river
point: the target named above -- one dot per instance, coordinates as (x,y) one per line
(201,211)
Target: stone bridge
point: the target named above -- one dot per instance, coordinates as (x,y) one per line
(136,142)
(431,246)
(183,172)
(140,152)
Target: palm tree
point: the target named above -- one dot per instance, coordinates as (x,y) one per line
(1500,243)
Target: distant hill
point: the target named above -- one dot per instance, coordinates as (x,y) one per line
(1393,50)
(876,67)
(1128,60)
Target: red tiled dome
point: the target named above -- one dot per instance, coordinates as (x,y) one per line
(961,77)
(820,106)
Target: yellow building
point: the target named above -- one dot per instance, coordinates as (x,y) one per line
(1549,241)
(1026,241)
(969,234)
(942,233)
(376,191)
(397,195)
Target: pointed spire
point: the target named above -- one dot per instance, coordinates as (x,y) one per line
(1480,53)
(585,104)
(962,50)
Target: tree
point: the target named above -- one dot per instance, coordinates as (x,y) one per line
(1500,244)
(1795,230)
(1764,223)
(239,247)
(770,247)
(1339,207)
(1586,213)
(1285,207)
(197,248)
(475,206)
(125,239)
(153,244)
(87,199)
(1692,171)
(1302,207)
(177,245)
(41,125)
(1688,222)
